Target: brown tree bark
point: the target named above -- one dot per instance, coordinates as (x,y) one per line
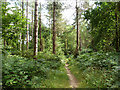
(36,29)
(77,38)
(119,23)
(66,44)
(32,25)
(20,32)
(4,38)
(80,41)
(22,27)
(54,29)
(4,43)
(20,42)
(27,23)
(29,31)
(41,45)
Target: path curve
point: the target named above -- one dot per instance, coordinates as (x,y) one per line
(73,81)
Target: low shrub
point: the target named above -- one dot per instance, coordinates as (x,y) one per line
(99,69)
(21,72)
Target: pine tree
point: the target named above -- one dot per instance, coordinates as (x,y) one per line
(54,29)
(36,29)
(77,38)
(41,45)
(27,23)
(22,27)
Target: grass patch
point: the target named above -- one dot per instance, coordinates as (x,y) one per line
(57,79)
(95,69)
(79,76)
(92,77)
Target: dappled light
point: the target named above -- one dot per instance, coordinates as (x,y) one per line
(60,44)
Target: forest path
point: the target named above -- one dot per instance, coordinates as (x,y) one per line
(73,80)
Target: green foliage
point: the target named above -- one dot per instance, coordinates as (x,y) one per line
(96,69)
(18,71)
(98,59)
(68,38)
(21,72)
(50,58)
(102,25)
(28,53)
(99,69)
(57,79)
(12,25)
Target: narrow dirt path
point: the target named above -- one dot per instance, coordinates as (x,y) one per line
(73,81)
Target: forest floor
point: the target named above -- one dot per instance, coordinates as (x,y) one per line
(72,80)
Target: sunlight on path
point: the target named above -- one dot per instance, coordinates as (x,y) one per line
(73,81)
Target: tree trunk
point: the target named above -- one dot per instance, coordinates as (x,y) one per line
(36,29)
(20,32)
(29,31)
(80,41)
(20,41)
(119,23)
(77,38)
(22,27)
(32,25)
(54,29)
(41,45)
(4,43)
(4,37)
(27,24)
(66,44)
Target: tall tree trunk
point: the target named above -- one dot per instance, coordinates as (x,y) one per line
(36,29)
(117,35)
(27,24)
(41,45)
(20,32)
(80,41)
(32,25)
(4,37)
(29,31)
(20,41)
(22,27)
(54,29)
(50,27)
(77,38)
(119,23)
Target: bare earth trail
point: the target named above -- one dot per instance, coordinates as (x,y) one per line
(73,80)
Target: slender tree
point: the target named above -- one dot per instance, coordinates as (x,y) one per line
(41,45)
(20,41)
(36,28)
(29,31)
(80,40)
(77,38)
(22,26)
(32,24)
(20,32)
(119,23)
(27,24)
(54,29)
(5,1)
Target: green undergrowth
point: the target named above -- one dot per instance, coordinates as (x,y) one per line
(95,69)
(44,72)
(57,79)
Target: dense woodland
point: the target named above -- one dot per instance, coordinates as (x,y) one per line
(34,55)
